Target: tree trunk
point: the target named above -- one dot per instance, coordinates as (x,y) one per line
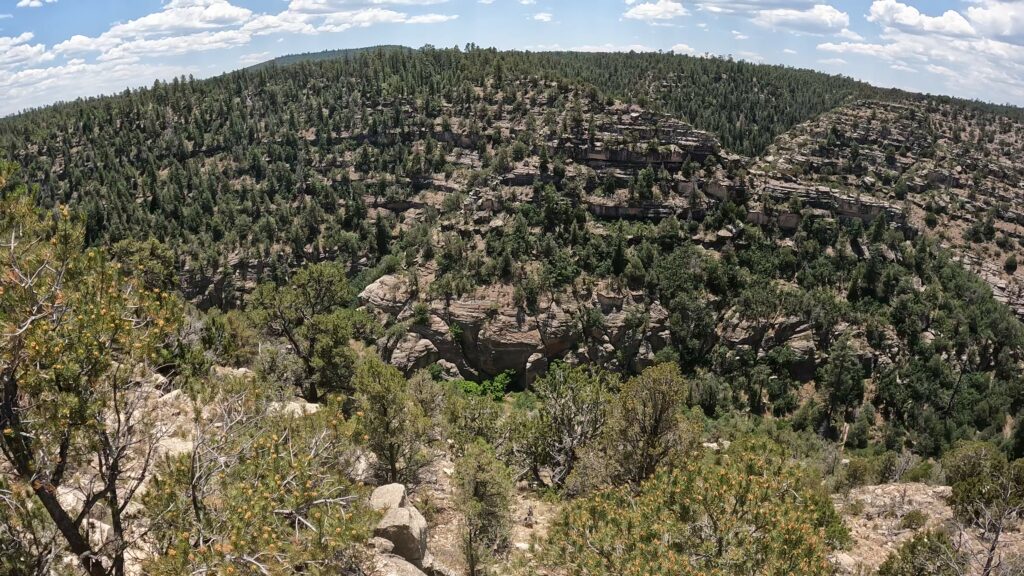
(77,543)
(992,548)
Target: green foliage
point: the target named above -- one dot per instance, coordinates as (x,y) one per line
(75,334)
(648,427)
(842,379)
(483,493)
(913,520)
(389,420)
(494,388)
(572,408)
(747,511)
(152,262)
(469,415)
(926,553)
(28,538)
(311,315)
(265,492)
(230,338)
(986,486)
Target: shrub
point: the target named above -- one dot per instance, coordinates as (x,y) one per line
(389,419)
(746,512)
(913,520)
(927,552)
(261,485)
(483,492)
(421,314)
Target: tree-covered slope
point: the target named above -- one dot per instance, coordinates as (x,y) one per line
(271,164)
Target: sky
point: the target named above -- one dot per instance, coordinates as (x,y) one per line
(52,50)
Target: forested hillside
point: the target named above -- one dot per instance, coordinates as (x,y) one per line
(567,313)
(240,167)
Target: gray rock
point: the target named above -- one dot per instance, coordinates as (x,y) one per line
(406,528)
(381,545)
(391,565)
(388,496)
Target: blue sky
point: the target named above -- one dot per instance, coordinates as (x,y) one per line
(60,49)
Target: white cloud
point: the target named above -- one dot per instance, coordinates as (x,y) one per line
(175,45)
(543,16)
(612,48)
(179,19)
(76,78)
(33,3)
(527,2)
(850,35)
(905,17)
(833,61)
(789,51)
(737,35)
(16,51)
(654,11)
(752,6)
(969,66)
(683,49)
(1001,19)
(819,19)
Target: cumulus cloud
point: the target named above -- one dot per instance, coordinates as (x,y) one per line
(683,49)
(751,6)
(976,52)
(655,11)
(819,19)
(17,51)
(1001,19)
(543,16)
(973,66)
(905,17)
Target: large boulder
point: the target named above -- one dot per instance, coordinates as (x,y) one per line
(388,496)
(406,528)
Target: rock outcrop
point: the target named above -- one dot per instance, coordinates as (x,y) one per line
(402,525)
(484,334)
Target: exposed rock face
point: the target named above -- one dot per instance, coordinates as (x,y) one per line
(407,529)
(388,497)
(484,334)
(389,293)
